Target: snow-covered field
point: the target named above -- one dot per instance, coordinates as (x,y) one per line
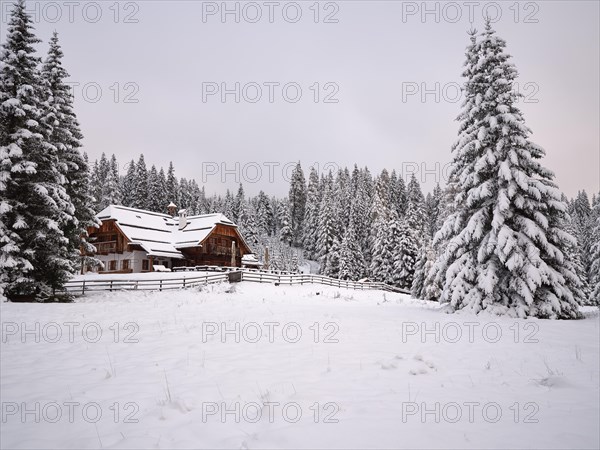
(227,367)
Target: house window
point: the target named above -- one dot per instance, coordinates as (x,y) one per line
(112,265)
(125,264)
(145,264)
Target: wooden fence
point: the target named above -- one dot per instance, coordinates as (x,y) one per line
(105,283)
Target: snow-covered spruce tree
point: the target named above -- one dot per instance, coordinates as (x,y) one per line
(343,201)
(595,255)
(327,230)
(264,215)
(227,204)
(162,191)
(297,203)
(99,181)
(401,197)
(383,251)
(172,185)
(238,203)
(362,222)
(112,188)
(154,202)
(433,203)
(311,215)
(506,248)
(19,133)
(580,211)
(380,207)
(285,231)
(573,254)
(352,264)
(185,196)
(249,227)
(65,135)
(35,256)
(332,263)
(140,190)
(405,256)
(415,210)
(86,216)
(128,183)
(418,286)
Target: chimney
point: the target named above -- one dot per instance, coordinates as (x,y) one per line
(172,209)
(182,218)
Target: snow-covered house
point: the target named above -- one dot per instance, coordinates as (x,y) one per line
(133,240)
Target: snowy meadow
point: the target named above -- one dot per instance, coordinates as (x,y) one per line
(263,366)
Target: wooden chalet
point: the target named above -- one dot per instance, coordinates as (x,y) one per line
(133,240)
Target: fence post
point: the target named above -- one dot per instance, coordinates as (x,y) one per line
(184,282)
(111,284)
(83,288)
(160,286)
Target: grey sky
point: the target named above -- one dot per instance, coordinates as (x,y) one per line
(373,54)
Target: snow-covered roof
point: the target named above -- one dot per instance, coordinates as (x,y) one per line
(251,259)
(159,234)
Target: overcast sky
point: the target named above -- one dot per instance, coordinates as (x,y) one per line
(149,69)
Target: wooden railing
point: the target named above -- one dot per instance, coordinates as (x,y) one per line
(104,283)
(291,279)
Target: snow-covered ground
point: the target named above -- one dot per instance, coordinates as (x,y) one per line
(188,369)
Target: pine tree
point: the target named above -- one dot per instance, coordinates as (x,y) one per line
(405,256)
(382,247)
(580,211)
(351,260)
(401,197)
(249,227)
(361,220)
(285,231)
(238,204)
(433,204)
(65,135)
(128,183)
(425,286)
(311,215)
(506,251)
(228,205)
(297,203)
(100,181)
(418,286)
(595,254)
(86,216)
(163,199)
(343,200)
(573,254)
(264,215)
(327,230)
(154,198)
(415,210)
(172,186)
(140,190)
(332,261)
(382,262)
(112,187)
